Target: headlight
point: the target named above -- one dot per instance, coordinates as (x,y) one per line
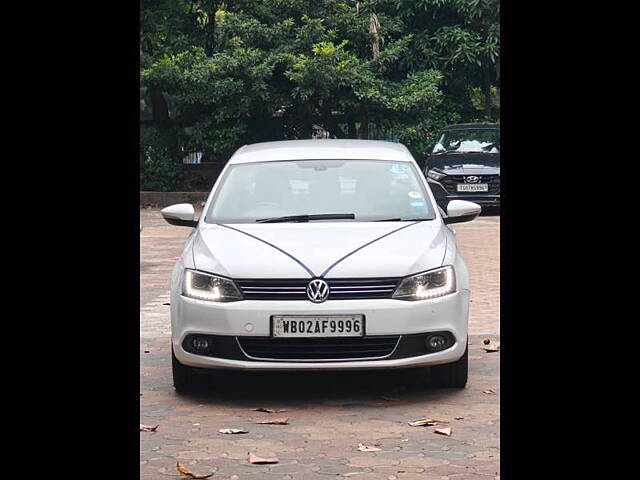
(204,286)
(425,286)
(435,175)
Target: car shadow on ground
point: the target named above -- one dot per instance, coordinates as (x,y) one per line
(490,211)
(363,388)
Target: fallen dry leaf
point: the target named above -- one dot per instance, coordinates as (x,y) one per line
(368,448)
(259,460)
(459,418)
(494,347)
(232,431)
(424,422)
(268,410)
(184,471)
(148,428)
(443,431)
(489,391)
(275,421)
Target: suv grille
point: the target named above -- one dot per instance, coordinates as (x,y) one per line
(340,289)
(319,348)
(450,182)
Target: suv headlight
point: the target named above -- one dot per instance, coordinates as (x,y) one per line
(425,286)
(204,286)
(435,175)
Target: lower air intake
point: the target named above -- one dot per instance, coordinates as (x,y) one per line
(318,349)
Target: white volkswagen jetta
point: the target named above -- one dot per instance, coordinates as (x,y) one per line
(320,255)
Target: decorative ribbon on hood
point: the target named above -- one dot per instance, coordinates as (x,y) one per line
(328,269)
(308,270)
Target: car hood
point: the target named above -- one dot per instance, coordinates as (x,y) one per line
(307,250)
(466,163)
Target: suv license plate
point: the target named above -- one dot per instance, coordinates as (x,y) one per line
(480,187)
(304,326)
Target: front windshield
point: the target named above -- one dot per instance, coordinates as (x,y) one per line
(369,189)
(484,140)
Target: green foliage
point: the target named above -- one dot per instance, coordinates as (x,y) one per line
(478,100)
(243,71)
(158,171)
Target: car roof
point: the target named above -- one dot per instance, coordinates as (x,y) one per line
(462,126)
(324,149)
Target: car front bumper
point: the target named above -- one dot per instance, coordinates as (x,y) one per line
(252,318)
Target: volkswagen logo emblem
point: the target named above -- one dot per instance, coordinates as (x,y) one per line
(318,290)
(471,179)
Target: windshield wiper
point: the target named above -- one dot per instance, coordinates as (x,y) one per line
(307,218)
(403,220)
(464,151)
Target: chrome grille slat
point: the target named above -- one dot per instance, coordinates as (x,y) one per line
(273,288)
(364,291)
(296,289)
(363,287)
(276,292)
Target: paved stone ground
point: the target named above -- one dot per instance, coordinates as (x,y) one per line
(479,242)
(329,413)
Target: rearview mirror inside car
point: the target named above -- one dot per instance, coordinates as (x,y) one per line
(181,215)
(459,211)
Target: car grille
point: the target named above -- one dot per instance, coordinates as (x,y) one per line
(340,289)
(318,348)
(450,182)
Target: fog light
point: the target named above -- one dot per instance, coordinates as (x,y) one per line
(436,342)
(200,343)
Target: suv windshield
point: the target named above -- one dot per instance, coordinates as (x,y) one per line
(481,140)
(339,190)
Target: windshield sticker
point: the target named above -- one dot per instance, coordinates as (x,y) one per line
(399,168)
(417,204)
(414,195)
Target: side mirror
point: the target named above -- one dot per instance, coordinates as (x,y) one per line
(180,215)
(459,211)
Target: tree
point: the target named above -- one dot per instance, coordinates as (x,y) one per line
(217,75)
(461,38)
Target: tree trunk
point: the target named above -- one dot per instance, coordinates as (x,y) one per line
(160,110)
(352,129)
(163,123)
(330,122)
(363,131)
(304,121)
(486,91)
(211,30)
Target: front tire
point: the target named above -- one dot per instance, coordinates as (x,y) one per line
(185,379)
(452,375)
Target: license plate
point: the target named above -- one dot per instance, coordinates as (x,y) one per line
(479,187)
(317,326)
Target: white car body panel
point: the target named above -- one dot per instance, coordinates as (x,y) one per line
(414,249)
(372,250)
(322,150)
(383,317)
(223,250)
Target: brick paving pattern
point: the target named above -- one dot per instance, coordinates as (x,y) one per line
(329,413)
